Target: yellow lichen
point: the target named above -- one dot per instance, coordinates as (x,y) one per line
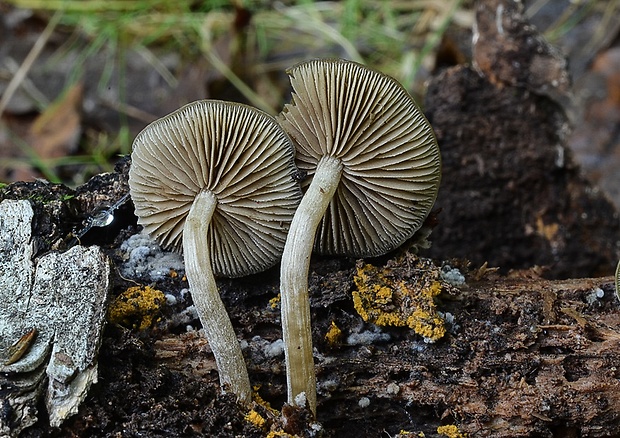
(279,434)
(260,401)
(406,433)
(255,418)
(389,298)
(137,307)
(383,295)
(389,318)
(428,325)
(333,335)
(359,305)
(433,290)
(450,431)
(374,298)
(274,302)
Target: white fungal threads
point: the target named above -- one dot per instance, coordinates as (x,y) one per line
(364,402)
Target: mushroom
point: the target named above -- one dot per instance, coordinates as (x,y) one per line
(373,167)
(216,179)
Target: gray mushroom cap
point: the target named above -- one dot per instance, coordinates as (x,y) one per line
(238,153)
(391,160)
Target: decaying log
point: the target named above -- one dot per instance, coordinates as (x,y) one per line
(522,356)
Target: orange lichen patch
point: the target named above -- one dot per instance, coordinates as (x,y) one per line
(334,334)
(137,307)
(255,419)
(450,431)
(389,298)
(173,273)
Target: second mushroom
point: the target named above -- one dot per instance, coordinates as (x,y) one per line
(216,179)
(373,168)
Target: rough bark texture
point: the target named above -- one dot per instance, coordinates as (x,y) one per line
(511,194)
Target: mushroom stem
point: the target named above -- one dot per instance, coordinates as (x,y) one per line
(211,310)
(295,266)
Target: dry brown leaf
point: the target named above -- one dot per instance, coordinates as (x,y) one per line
(55,133)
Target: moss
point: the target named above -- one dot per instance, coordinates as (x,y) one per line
(333,335)
(450,431)
(67,197)
(137,307)
(388,298)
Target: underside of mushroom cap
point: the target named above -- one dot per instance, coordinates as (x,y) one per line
(238,153)
(391,160)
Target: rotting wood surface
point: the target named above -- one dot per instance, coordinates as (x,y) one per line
(511,193)
(523,357)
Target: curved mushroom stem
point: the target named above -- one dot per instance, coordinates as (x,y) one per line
(294,281)
(211,310)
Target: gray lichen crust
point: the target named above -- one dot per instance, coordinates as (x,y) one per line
(50,322)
